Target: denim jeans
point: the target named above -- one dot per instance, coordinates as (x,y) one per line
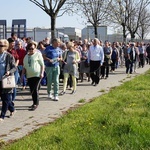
(16,80)
(7,104)
(53,77)
(24,83)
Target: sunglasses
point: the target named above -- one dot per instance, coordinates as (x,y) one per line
(2,45)
(31,48)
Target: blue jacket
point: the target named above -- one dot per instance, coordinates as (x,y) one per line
(52,53)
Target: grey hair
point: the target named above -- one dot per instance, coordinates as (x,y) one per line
(96,39)
(55,40)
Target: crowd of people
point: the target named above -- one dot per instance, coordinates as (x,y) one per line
(49,61)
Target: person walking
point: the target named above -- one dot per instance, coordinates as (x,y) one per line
(33,67)
(107,60)
(125,52)
(21,53)
(114,56)
(84,67)
(120,55)
(52,56)
(7,67)
(148,53)
(15,38)
(71,59)
(141,55)
(13,52)
(131,58)
(136,62)
(41,48)
(95,59)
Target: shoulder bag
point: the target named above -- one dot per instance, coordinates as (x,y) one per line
(8,82)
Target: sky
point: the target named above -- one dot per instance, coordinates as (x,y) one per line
(36,17)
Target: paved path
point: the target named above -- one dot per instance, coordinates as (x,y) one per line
(26,121)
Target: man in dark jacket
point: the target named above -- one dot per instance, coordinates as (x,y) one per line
(131,58)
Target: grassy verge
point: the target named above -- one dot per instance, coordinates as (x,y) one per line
(119,120)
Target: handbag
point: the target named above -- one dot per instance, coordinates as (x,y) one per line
(8,82)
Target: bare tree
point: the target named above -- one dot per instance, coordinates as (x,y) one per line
(54,8)
(144,28)
(93,11)
(134,11)
(127,13)
(117,13)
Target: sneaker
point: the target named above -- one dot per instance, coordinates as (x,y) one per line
(50,96)
(56,98)
(73,92)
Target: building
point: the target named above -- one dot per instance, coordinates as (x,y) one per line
(39,34)
(115,37)
(88,33)
(3,29)
(19,27)
(73,33)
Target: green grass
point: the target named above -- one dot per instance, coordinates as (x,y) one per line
(118,120)
(81,101)
(102,90)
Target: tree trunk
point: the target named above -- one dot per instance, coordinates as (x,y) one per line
(132,36)
(53,28)
(142,37)
(142,34)
(124,33)
(95,31)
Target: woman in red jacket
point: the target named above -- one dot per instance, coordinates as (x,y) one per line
(21,53)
